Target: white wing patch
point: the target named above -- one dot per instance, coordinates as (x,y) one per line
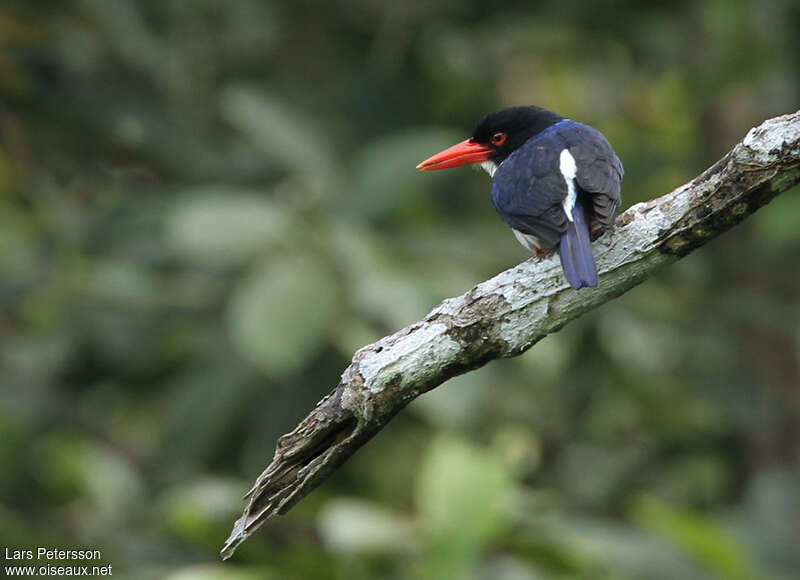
(568,170)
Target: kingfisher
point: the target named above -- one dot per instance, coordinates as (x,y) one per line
(554,181)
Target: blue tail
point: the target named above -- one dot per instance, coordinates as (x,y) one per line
(575,250)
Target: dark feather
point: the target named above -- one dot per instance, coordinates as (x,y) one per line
(575,251)
(599,172)
(529,188)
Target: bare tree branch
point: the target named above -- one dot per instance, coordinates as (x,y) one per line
(506,315)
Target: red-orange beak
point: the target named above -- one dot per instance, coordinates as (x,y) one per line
(462,153)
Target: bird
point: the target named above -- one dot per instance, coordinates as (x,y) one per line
(554,181)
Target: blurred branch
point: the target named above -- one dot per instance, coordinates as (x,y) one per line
(506,315)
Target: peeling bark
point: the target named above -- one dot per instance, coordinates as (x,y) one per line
(506,315)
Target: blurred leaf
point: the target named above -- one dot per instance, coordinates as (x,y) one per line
(464,497)
(197,508)
(129,35)
(698,536)
(17,238)
(385,174)
(507,567)
(123,283)
(642,344)
(768,519)
(550,359)
(70,466)
(61,456)
(222,572)
(605,549)
(519,447)
(120,487)
(280,314)
(457,402)
(699,478)
(777,222)
(8,177)
(13,437)
(351,526)
(35,359)
(379,287)
(225,226)
(287,137)
(200,408)
(252,29)
(593,472)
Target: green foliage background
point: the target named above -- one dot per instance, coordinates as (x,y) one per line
(206,206)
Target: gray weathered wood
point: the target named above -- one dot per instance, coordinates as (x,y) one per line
(506,315)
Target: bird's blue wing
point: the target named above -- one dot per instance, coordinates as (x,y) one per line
(599,170)
(528,189)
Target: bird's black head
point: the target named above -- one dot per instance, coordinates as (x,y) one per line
(495,137)
(505,130)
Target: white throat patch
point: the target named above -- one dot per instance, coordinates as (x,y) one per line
(569,170)
(489,167)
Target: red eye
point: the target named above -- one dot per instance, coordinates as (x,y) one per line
(498,138)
